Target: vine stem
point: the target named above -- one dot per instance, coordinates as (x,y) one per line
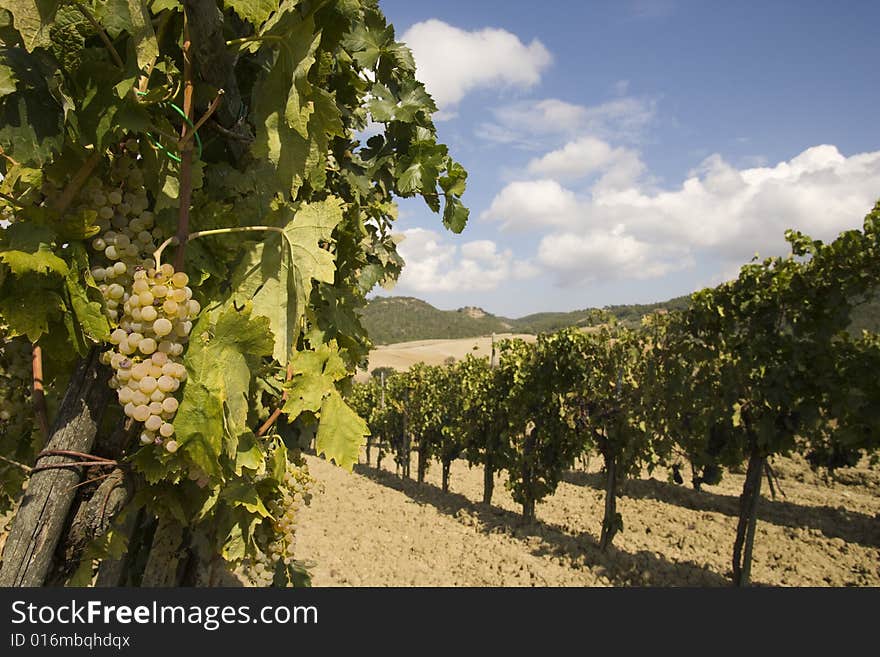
(264,428)
(77,182)
(39,396)
(157,254)
(187,147)
(24,467)
(101,33)
(211,109)
(13,201)
(252,39)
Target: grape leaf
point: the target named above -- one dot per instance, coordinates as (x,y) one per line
(243,493)
(314,376)
(28,303)
(142,34)
(7,80)
(341,432)
(67,37)
(249,455)
(255,11)
(32,19)
(26,247)
(277,274)
(132,16)
(213,412)
(89,312)
(455,215)
(312,388)
(281,135)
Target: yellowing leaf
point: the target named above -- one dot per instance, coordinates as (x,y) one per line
(341,432)
(277,274)
(315,374)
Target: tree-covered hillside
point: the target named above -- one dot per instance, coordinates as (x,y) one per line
(402,319)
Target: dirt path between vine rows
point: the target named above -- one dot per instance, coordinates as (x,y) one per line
(370,528)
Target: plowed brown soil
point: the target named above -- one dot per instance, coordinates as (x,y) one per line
(371,528)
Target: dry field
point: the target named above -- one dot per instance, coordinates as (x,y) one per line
(370,528)
(402,355)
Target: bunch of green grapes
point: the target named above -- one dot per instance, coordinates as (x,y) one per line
(147,355)
(128,235)
(294,493)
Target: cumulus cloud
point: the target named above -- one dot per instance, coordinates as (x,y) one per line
(534,204)
(435,265)
(620,167)
(451,61)
(529,124)
(719,212)
(600,254)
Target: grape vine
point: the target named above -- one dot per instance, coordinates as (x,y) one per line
(759,366)
(138,129)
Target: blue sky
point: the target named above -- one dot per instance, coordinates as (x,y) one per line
(628,152)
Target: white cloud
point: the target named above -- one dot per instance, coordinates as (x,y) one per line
(529,123)
(607,254)
(719,213)
(587,156)
(451,61)
(533,204)
(434,265)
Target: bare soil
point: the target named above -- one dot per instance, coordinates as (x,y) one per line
(402,355)
(371,528)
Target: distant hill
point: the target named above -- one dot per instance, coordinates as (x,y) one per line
(403,319)
(630,315)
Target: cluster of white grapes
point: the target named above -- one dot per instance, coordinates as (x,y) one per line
(296,491)
(153,308)
(128,235)
(157,315)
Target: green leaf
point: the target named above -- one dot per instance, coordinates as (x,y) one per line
(314,376)
(27,248)
(31,119)
(341,432)
(366,44)
(157,6)
(243,494)
(28,304)
(455,215)
(249,455)
(133,17)
(278,460)
(67,34)
(7,80)
(213,412)
(89,312)
(235,546)
(254,11)
(142,34)
(277,274)
(32,19)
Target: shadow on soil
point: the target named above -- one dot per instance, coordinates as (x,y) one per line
(622,568)
(851,526)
